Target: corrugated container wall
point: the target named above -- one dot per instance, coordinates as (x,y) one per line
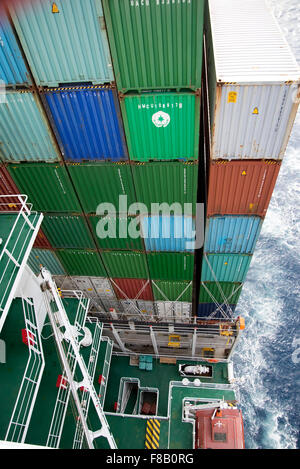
(232,234)
(8,187)
(225,267)
(81,263)
(170,265)
(41,242)
(162,126)
(158,183)
(48,187)
(125,264)
(172,291)
(211,309)
(113,232)
(47,259)
(241,187)
(64,47)
(105,182)
(168,233)
(254,81)
(24,131)
(87,122)
(133,288)
(212,291)
(155,43)
(67,231)
(13,71)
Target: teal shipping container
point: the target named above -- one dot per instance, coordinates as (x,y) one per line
(225,267)
(13,71)
(232,234)
(25,135)
(47,259)
(64,41)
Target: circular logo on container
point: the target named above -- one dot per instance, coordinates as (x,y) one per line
(161,119)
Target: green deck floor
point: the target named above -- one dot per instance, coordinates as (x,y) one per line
(129,431)
(159,377)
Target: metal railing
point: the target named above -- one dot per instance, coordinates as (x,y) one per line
(64,391)
(86,398)
(58,320)
(20,419)
(17,246)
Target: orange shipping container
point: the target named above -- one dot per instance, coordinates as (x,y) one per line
(241,187)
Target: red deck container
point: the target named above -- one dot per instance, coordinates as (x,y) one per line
(241,187)
(131,287)
(8,187)
(41,242)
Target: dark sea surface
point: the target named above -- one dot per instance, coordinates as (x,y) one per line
(267,358)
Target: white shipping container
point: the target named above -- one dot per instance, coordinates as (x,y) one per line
(253,81)
(64,283)
(85,285)
(146,308)
(103,287)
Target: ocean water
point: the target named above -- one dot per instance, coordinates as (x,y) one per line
(267,358)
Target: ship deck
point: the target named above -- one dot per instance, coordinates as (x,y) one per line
(129,430)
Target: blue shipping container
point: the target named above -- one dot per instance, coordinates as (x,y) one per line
(88,123)
(168,233)
(13,70)
(225,267)
(207,309)
(232,234)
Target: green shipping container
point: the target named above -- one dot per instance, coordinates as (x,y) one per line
(172,291)
(82,262)
(118,230)
(171,266)
(231,291)
(166,183)
(102,182)
(48,186)
(162,126)
(68,231)
(155,43)
(125,264)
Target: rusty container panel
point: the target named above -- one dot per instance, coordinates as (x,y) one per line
(8,187)
(133,288)
(41,242)
(241,187)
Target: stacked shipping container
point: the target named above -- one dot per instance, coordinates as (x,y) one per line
(68,114)
(72,140)
(253,103)
(157,58)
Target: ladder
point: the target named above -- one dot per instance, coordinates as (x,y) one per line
(59,319)
(63,394)
(85,400)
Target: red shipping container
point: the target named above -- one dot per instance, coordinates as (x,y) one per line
(132,288)
(8,187)
(41,242)
(241,187)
